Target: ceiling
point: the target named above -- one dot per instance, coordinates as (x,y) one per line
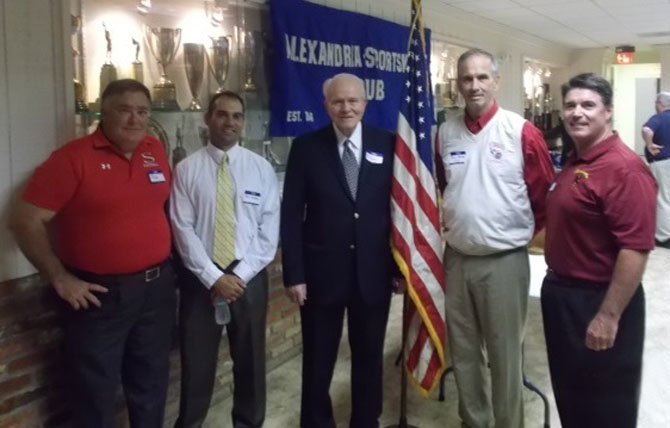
(578,23)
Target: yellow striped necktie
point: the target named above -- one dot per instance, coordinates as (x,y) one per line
(224,226)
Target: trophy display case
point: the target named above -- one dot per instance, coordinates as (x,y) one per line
(184,51)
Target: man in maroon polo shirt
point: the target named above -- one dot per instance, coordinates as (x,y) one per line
(101,199)
(601,213)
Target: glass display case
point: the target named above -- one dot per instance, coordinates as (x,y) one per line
(184,51)
(444,57)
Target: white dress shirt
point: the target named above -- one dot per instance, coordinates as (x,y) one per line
(193,209)
(356,141)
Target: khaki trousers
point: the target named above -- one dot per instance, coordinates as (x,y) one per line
(486,308)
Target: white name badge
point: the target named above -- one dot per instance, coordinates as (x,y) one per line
(456,158)
(156,177)
(251,197)
(374,157)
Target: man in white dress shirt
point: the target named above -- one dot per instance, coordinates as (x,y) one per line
(243,283)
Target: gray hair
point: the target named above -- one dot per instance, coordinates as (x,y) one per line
(663,98)
(479,52)
(344,76)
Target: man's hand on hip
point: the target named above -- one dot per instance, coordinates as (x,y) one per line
(297,293)
(654,149)
(229,287)
(79,294)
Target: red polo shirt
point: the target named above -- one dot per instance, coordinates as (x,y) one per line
(110,211)
(601,202)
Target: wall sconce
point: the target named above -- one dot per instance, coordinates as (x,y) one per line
(143,6)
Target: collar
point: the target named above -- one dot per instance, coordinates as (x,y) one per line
(596,151)
(356,137)
(217,154)
(476,125)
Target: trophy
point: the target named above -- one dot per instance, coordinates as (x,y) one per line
(108,71)
(79,90)
(194,63)
(218,58)
(249,60)
(203,133)
(138,71)
(163,44)
(179,152)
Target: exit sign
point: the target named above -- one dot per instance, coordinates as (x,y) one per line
(625,54)
(625,58)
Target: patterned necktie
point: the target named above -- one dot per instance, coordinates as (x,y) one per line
(350,167)
(224,226)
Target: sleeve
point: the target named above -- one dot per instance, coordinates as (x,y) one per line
(263,249)
(183,217)
(292,215)
(54,182)
(538,171)
(629,207)
(652,123)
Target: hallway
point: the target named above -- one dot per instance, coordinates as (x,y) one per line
(284,382)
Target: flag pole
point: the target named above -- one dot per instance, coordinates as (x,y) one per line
(402,421)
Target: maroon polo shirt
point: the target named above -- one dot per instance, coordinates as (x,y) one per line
(602,202)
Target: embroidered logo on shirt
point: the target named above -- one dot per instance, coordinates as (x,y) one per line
(148,160)
(580,175)
(496,150)
(104,166)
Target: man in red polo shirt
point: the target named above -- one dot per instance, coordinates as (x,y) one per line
(93,222)
(601,215)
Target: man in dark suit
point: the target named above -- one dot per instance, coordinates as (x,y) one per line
(335,228)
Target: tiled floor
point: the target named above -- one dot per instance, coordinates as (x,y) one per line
(284,382)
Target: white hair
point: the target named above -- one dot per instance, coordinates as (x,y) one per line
(344,76)
(663,98)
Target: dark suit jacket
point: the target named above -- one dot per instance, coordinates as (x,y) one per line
(329,241)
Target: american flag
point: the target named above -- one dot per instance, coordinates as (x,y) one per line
(416,239)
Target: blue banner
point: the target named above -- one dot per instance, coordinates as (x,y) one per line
(313,43)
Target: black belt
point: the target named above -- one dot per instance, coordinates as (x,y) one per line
(574,282)
(147,275)
(228,270)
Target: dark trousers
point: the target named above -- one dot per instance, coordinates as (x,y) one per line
(199,343)
(321,334)
(592,388)
(128,338)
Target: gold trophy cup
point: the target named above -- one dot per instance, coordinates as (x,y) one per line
(163,44)
(194,63)
(218,58)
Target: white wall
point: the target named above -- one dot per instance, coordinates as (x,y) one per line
(625,99)
(35,96)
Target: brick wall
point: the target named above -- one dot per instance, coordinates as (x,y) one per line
(32,383)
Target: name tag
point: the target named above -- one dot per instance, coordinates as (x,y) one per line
(374,157)
(156,177)
(456,158)
(251,197)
